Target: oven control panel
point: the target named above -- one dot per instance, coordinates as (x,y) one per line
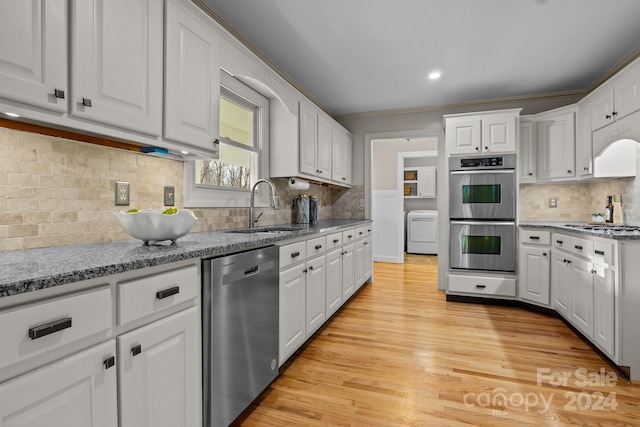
(505,161)
(481,161)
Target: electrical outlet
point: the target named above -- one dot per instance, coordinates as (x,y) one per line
(122,193)
(169,196)
(553,202)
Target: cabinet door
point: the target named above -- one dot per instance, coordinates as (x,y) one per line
(358,264)
(527,152)
(308,139)
(346,158)
(337,159)
(601,108)
(604,309)
(292,311)
(534,274)
(33,52)
(557,144)
(584,148)
(333,293)
(323,168)
(348,271)
(626,92)
(159,374)
(427,182)
(463,135)
(368,259)
(499,134)
(315,284)
(192,79)
(560,276)
(77,391)
(582,297)
(116,63)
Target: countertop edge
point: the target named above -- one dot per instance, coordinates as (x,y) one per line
(562,226)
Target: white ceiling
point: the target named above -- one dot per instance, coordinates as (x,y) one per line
(357,56)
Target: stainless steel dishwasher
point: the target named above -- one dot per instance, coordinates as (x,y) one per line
(240,331)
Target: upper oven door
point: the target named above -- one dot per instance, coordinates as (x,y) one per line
(483,194)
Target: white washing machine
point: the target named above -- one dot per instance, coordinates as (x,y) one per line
(422,232)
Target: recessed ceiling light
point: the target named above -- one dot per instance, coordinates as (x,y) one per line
(434,75)
(12,114)
(184,152)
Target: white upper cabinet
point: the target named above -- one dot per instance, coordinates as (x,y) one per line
(482,133)
(315,142)
(117,63)
(33,52)
(527,152)
(341,156)
(192,78)
(584,148)
(556,138)
(617,98)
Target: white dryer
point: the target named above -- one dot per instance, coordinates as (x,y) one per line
(422,232)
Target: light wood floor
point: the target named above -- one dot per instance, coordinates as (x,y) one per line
(399,355)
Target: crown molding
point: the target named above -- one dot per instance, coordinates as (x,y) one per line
(465,104)
(628,59)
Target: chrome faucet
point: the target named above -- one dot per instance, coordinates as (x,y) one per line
(274,199)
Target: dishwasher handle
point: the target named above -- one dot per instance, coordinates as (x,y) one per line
(252,271)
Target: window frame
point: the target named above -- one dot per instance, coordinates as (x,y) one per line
(205,196)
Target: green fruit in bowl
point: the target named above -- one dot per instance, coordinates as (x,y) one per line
(170,211)
(134,210)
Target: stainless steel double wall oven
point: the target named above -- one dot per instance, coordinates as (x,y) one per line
(482,212)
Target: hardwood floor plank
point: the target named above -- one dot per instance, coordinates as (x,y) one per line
(398,354)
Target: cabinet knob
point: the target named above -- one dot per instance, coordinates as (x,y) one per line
(544,254)
(109,363)
(86,102)
(58,93)
(486,148)
(593,271)
(477,148)
(569,171)
(530,173)
(318,246)
(615,113)
(344,179)
(586,168)
(336,240)
(608,116)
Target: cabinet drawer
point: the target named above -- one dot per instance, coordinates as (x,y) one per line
(603,252)
(561,241)
(141,297)
(360,233)
(348,236)
(291,254)
(334,240)
(582,247)
(368,230)
(483,285)
(39,328)
(535,237)
(316,246)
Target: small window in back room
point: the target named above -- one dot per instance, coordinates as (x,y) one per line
(243,156)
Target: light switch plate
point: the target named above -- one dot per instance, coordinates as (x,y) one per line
(553,202)
(169,196)
(122,193)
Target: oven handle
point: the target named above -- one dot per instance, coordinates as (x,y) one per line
(483,222)
(485,171)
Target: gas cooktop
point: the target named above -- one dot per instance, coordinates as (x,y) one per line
(607,228)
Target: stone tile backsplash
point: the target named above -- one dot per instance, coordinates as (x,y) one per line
(59,192)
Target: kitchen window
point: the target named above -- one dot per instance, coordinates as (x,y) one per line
(243,158)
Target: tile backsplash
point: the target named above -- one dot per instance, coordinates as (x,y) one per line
(58,192)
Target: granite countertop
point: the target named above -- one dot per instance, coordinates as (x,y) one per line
(606,231)
(34,269)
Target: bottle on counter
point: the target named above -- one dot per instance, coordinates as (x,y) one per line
(313,209)
(617,216)
(608,212)
(302,209)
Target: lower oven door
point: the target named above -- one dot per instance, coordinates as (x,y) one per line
(483,245)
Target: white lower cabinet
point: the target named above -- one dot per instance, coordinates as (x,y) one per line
(158,379)
(315,289)
(334,281)
(604,298)
(534,281)
(77,391)
(317,276)
(581,312)
(72,363)
(560,280)
(292,311)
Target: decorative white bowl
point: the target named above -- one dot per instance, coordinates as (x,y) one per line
(152,226)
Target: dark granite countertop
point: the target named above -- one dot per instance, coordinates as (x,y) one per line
(606,231)
(34,269)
